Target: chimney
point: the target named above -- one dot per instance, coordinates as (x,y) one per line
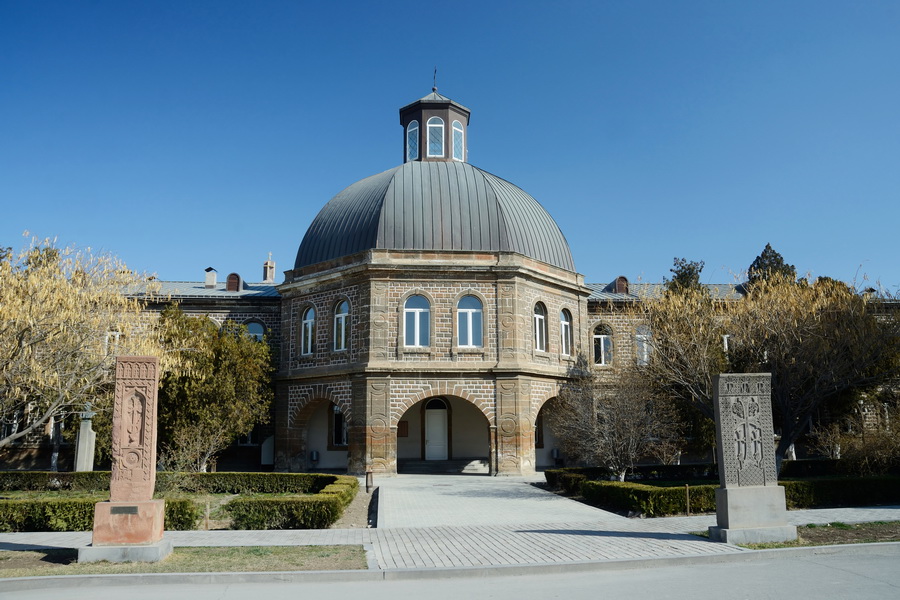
(210,278)
(269,270)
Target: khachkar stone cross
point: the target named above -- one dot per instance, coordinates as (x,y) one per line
(750,506)
(129,527)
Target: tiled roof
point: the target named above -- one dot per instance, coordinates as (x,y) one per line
(636,291)
(198,289)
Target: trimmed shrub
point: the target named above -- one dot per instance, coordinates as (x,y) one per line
(845,491)
(650,500)
(689,472)
(166,481)
(244,483)
(294,512)
(318,511)
(35,481)
(77,514)
(570,483)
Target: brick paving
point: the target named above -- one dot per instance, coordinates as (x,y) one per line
(468,521)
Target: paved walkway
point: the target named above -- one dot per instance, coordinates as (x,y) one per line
(468,521)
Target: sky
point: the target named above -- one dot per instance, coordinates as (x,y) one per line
(182,135)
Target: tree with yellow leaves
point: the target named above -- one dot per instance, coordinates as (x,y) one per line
(63,319)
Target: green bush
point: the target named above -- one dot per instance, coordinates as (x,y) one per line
(33,481)
(844,491)
(243,483)
(650,500)
(182,514)
(213,483)
(570,483)
(294,512)
(318,511)
(77,514)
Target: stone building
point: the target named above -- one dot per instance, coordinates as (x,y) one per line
(430,314)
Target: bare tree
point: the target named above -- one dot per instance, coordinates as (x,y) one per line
(616,423)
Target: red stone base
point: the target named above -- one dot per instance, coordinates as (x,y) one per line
(122,523)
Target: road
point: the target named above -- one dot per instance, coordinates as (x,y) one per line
(843,575)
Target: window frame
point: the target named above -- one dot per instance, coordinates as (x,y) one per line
(308,331)
(418,314)
(475,339)
(457,128)
(642,345)
(565,332)
(337,424)
(539,321)
(342,318)
(412,133)
(435,124)
(260,336)
(607,347)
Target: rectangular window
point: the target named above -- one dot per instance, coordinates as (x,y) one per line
(338,428)
(540,334)
(410,328)
(565,338)
(462,324)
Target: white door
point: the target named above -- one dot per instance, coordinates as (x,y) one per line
(436,434)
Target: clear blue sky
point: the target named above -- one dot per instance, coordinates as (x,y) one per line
(180,135)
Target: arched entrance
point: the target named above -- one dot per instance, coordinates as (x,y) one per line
(443,434)
(326,438)
(547,454)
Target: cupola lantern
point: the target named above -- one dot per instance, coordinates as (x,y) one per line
(434,129)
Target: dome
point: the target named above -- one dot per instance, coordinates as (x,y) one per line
(438,205)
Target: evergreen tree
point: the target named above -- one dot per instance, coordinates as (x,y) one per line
(770,264)
(685,275)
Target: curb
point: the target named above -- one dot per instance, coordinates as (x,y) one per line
(742,555)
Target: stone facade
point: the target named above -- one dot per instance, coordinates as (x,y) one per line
(501,383)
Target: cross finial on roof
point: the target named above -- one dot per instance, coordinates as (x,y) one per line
(270,256)
(434,81)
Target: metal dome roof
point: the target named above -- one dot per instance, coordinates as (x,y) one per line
(434,206)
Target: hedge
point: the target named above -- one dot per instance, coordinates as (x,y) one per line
(661,500)
(690,472)
(77,514)
(166,481)
(841,491)
(649,500)
(294,512)
(328,496)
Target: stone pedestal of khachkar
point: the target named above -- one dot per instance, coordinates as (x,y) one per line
(129,527)
(750,506)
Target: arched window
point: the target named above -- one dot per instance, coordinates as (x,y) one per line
(435,137)
(603,345)
(642,345)
(256,330)
(416,322)
(307,331)
(458,141)
(412,141)
(565,332)
(540,327)
(469,320)
(341,318)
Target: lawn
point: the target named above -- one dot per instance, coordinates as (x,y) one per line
(62,561)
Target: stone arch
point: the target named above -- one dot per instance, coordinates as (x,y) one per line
(301,412)
(441,388)
(540,397)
